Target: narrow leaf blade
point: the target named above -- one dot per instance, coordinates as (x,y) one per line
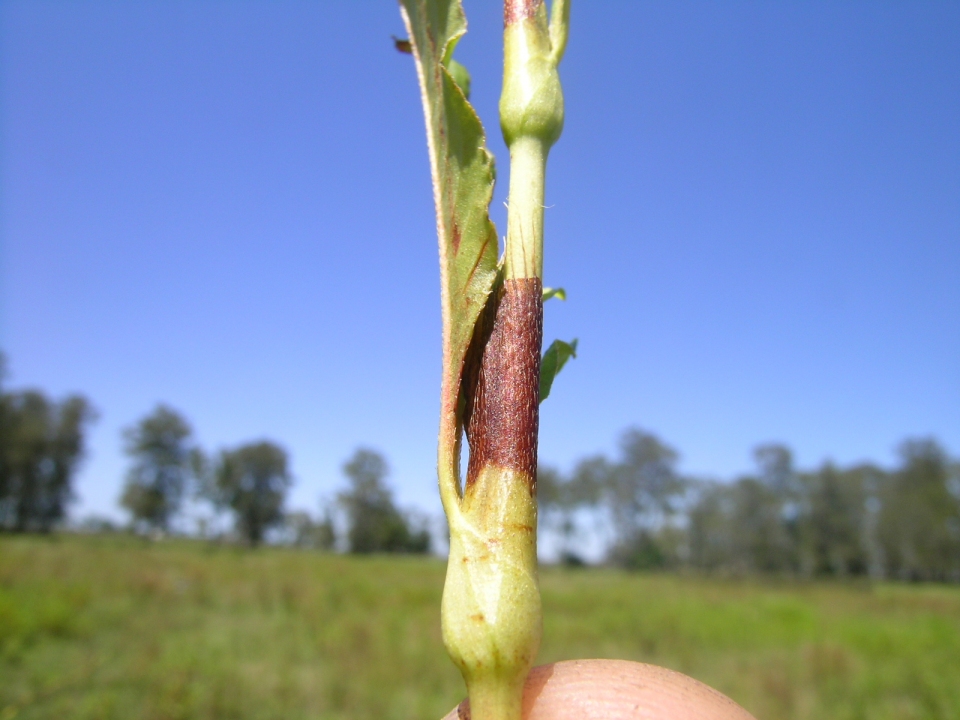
(462,170)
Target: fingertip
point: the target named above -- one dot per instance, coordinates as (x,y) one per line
(617,690)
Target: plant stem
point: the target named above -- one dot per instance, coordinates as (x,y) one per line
(497,699)
(493,332)
(524,248)
(491,611)
(491,603)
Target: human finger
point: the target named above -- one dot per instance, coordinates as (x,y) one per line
(616,690)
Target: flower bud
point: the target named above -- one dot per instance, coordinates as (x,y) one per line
(531,104)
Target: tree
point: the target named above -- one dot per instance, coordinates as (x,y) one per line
(919,523)
(761,541)
(637,496)
(252,480)
(41,445)
(376,525)
(305,532)
(775,469)
(6,480)
(641,492)
(758,515)
(709,527)
(559,499)
(833,523)
(165,462)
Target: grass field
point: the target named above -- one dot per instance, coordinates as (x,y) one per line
(113,627)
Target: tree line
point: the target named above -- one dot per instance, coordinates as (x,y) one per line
(861,520)
(251,482)
(43,442)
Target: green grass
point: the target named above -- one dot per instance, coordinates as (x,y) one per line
(112,627)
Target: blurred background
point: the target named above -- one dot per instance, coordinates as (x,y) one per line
(219,314)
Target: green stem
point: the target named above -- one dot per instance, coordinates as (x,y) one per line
(497,698)
(491,603)
(524,248)
(492,340)
(491,613)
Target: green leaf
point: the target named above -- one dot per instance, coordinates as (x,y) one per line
(463,175)
(460,76)
(553,361)
(558,293)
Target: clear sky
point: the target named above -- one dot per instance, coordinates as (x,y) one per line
(226,206)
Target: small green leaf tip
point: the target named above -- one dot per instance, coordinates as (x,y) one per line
(559,29)
(558,293)
(460,76)
(553,361)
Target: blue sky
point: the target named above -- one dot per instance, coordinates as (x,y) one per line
(225,206)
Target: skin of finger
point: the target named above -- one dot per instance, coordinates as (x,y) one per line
(616,690)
